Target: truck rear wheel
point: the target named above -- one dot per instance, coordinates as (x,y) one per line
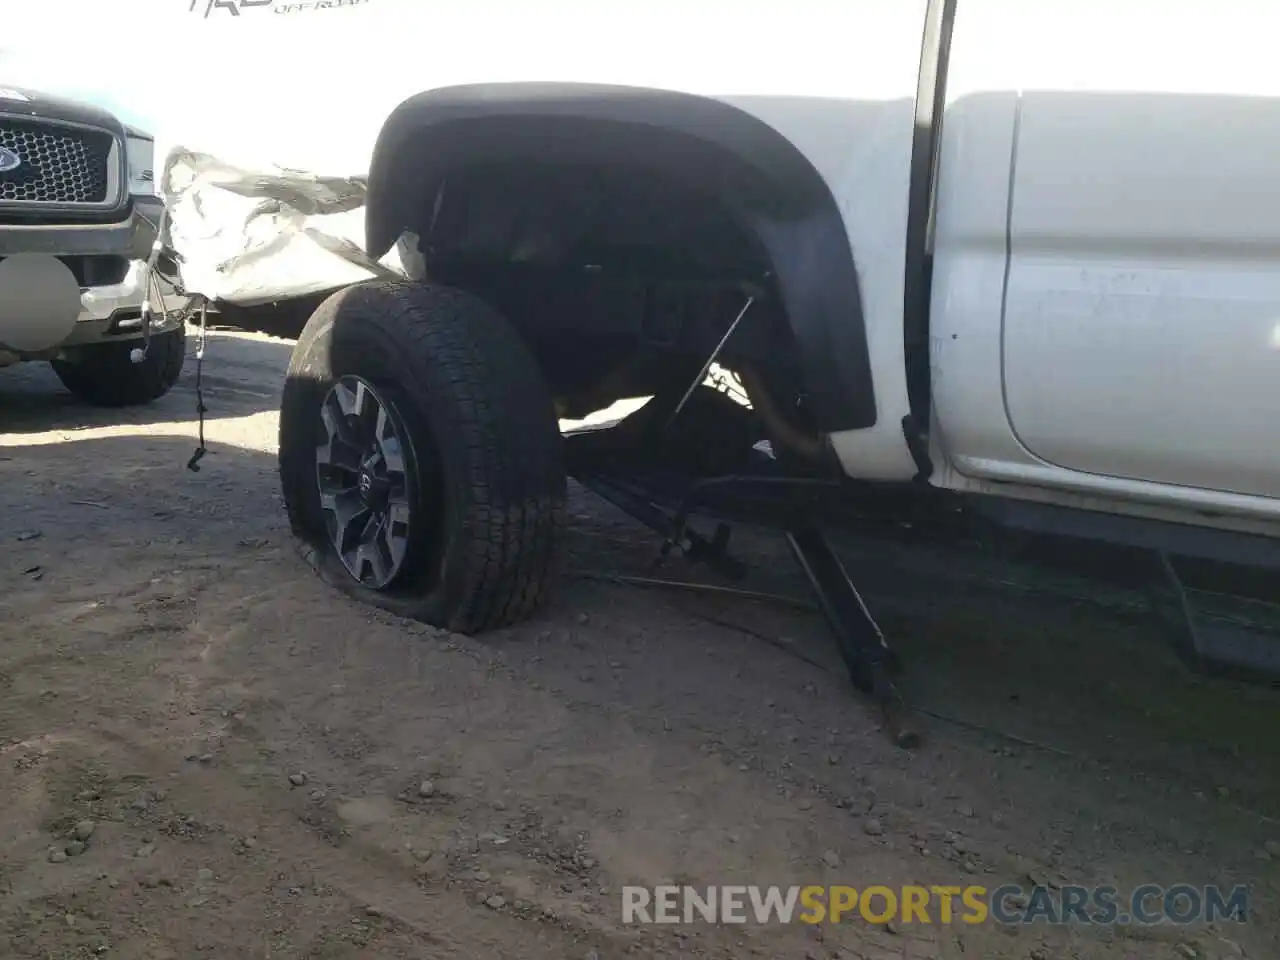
(420,456)
(104,375)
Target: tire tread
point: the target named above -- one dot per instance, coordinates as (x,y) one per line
(499,437)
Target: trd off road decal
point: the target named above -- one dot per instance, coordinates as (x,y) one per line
(236,7)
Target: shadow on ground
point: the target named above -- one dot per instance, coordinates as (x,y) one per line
(242,371)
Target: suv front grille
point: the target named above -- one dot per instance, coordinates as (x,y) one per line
(59,164)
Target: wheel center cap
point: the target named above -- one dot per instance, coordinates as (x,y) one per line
(365,484)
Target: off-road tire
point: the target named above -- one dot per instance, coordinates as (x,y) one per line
(102,373)
(490,467)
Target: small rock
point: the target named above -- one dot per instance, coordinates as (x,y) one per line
(204,875)
(1188,951)
(891,927)
(84,830)
(146,850)
(970,867)
(372,911)
(75,848)
(1038,953)
(205,758)
(1272,847)
(872,827)
(26,535)
(805,803)
(427,789)
(317,796)
(197,901)
(481,876)
(298,779)
(1223,793)
(831,858)
(495,903)
(583,619)
(57,856)
(592,955)
(250,842)
(966,811)
(1263,854)
(433,870)
(499,805)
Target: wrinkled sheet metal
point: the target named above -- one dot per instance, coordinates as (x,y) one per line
(252,236)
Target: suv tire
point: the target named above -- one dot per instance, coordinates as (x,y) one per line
(104,375)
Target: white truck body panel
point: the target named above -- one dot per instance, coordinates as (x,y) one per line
(1106,290)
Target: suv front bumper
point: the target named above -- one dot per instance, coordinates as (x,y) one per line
(106,312)
(114,312)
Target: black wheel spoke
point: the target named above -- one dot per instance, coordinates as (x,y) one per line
(349,517)
(365,481)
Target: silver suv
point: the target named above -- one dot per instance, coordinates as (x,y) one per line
(77,227)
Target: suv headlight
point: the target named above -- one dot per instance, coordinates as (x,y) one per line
(141,152)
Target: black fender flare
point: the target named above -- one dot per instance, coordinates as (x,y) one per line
(768,184)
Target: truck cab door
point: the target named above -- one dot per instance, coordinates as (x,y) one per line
(1141,318)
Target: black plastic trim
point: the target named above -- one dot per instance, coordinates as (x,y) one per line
(931,90)
(760,176)
(1185,539)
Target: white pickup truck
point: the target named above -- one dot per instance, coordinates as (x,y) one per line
(1023,252)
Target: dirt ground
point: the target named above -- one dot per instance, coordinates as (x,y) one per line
(270,770)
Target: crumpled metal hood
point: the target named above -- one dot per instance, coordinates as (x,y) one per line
(249,236)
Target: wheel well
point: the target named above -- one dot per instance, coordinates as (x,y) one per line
(604,214)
